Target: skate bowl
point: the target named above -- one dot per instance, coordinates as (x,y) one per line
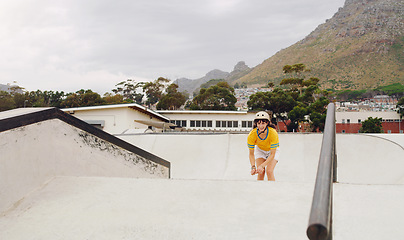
(225,156)
(37,144)
(65,181)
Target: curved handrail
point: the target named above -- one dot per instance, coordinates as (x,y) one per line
(320,222)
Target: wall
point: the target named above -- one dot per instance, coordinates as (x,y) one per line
(33,154)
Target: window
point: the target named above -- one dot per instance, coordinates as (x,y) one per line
(348,121)
(389,131)
(359,121)
(218,124)
(181,123)
(224,124)
(229,124)
(246,124)
(235,124)
(343,131)
(343,121)
(202,123)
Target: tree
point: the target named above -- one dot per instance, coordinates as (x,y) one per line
(277,101)
(172,99)
(372,125)
(6,101)
(154,90)
(296,115)
(259,101)
(280,103)
(113,99)
(82,98)
(217,97)
(40,99)
(400,107)
(297,80)
(317,121)
(128,90)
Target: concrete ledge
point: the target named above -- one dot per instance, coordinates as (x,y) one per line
(26,116)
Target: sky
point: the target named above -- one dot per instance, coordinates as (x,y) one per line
(70,45)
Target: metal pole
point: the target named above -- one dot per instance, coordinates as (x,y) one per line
(321,211)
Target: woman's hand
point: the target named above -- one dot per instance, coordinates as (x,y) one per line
(260,170)
(253,170)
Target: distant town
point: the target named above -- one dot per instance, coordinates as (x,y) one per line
(378,103)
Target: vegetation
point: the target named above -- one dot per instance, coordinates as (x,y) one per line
(154,90)
(217,97)
(341,55)
(173,99)
(129,91)
(400,106)
(372,125)
(303,102)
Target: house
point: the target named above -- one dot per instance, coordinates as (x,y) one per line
(120,118)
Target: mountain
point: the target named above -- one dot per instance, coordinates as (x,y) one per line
(9,88)
(360,47)
(190,86)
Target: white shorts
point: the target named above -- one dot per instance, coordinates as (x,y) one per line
(259,153)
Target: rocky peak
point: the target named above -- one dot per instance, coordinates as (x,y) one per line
(240,67)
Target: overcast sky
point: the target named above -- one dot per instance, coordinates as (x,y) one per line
(94,44)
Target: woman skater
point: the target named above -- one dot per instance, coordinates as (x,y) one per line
(263,144)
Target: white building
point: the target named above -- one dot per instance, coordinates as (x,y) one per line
(358,117)
(119,118)
(204,120)
(134,118)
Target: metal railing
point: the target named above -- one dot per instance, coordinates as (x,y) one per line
(320,221)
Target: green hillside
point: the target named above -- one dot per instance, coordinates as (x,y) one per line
(360,47)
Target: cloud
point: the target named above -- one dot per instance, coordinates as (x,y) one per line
(51,45)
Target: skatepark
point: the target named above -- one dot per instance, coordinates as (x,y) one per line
(61,179)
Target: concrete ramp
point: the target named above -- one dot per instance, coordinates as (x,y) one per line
(225,156)
(122,208)
(370,159)
(369,195)
(59,180)
(39,144)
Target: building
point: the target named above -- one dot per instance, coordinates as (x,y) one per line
(134,118)
(120,118)
(211,120)
(351,122)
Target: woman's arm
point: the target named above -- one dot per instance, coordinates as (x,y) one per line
(252,161)
(271,157)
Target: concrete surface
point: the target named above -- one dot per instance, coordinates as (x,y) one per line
(211,194)
(225,156)
(368,211)
(33,154)
(117,208)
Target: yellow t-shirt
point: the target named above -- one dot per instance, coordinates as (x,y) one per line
(271,141)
